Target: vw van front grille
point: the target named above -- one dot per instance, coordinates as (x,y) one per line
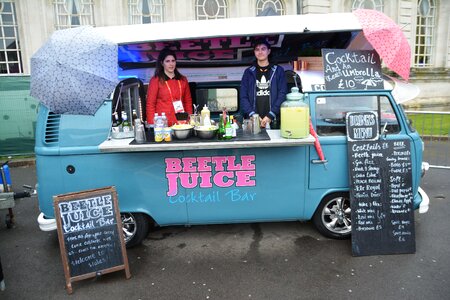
(52,128)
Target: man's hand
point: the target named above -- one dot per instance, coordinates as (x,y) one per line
(265,121)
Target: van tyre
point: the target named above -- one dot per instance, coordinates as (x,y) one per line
(333,216)
(135,228)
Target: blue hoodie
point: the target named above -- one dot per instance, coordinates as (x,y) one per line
(278,90)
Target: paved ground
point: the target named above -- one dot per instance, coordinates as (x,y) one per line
(244,261)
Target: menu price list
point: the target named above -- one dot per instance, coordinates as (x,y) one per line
(93,250)
(381,197)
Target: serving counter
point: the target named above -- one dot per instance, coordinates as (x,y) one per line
(274,140)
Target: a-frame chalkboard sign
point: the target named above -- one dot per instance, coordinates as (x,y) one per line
(90,234)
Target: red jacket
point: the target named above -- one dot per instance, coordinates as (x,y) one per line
(159,98)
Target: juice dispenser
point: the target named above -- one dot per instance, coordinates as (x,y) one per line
(294,116)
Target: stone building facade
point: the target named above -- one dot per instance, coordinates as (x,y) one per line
(26,24)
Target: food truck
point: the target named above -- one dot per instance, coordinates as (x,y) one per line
(261,178)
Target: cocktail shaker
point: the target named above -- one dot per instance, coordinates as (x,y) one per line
(255,124)
(139,132)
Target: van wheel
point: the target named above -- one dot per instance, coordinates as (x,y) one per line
(135,228)
(333,216)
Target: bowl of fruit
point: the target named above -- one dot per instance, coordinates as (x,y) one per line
(206,132)
(182,131)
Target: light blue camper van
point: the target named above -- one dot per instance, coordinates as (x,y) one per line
(211,182)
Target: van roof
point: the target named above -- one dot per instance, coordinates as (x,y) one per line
(228,42)
(251,26)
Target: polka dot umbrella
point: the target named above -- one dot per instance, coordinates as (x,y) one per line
(74,71)
(387,38)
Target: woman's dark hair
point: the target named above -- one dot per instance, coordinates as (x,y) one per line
(159,69)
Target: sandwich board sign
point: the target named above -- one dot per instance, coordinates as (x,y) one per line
(90,234)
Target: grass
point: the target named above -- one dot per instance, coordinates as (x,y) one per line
(431,124)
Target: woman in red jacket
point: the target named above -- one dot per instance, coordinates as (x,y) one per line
(168,90)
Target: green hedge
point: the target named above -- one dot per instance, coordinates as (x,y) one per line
(18,112)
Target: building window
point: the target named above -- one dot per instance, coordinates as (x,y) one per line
(368,4)
(146,11)
(73,13)
(10,57)
(269,8)
(425,39)
(211,9)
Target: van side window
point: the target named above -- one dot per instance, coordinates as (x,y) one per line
(217,98)
(129,95)
(331,111)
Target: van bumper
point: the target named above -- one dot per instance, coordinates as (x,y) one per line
(425,167)
(425,203)
(46,224)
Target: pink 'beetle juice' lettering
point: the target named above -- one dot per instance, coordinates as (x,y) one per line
(207,172)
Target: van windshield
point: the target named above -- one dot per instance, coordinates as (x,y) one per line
(331,112)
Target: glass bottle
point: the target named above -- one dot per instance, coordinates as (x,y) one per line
(228,130)
(117,124)
(221,131)
(126,125)
(234,125)
(134,117)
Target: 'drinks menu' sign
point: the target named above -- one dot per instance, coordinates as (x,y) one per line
(381,193)
(89,232)
(351,70)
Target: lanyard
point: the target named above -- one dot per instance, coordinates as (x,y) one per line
(170,91)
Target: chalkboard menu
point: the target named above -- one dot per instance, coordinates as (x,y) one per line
(381,195)
(352,70)
(90,234)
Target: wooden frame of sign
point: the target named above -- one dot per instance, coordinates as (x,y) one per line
(90,234)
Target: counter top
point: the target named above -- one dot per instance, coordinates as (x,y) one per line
(123,145)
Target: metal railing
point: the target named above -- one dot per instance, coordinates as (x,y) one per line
(434,128)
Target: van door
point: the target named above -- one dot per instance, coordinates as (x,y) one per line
(328,116)
(275,189)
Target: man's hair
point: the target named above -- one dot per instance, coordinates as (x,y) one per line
(261,41)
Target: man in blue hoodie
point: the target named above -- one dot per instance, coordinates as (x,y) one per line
(263,87)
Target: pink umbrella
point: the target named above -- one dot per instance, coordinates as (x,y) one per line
(387,39)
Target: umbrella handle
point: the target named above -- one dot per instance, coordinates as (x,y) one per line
(118,98)
(115,110)
(316,142)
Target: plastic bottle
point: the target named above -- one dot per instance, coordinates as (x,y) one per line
(159,123)
(205,113)
(164,119)
(207,121)
(155,119)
